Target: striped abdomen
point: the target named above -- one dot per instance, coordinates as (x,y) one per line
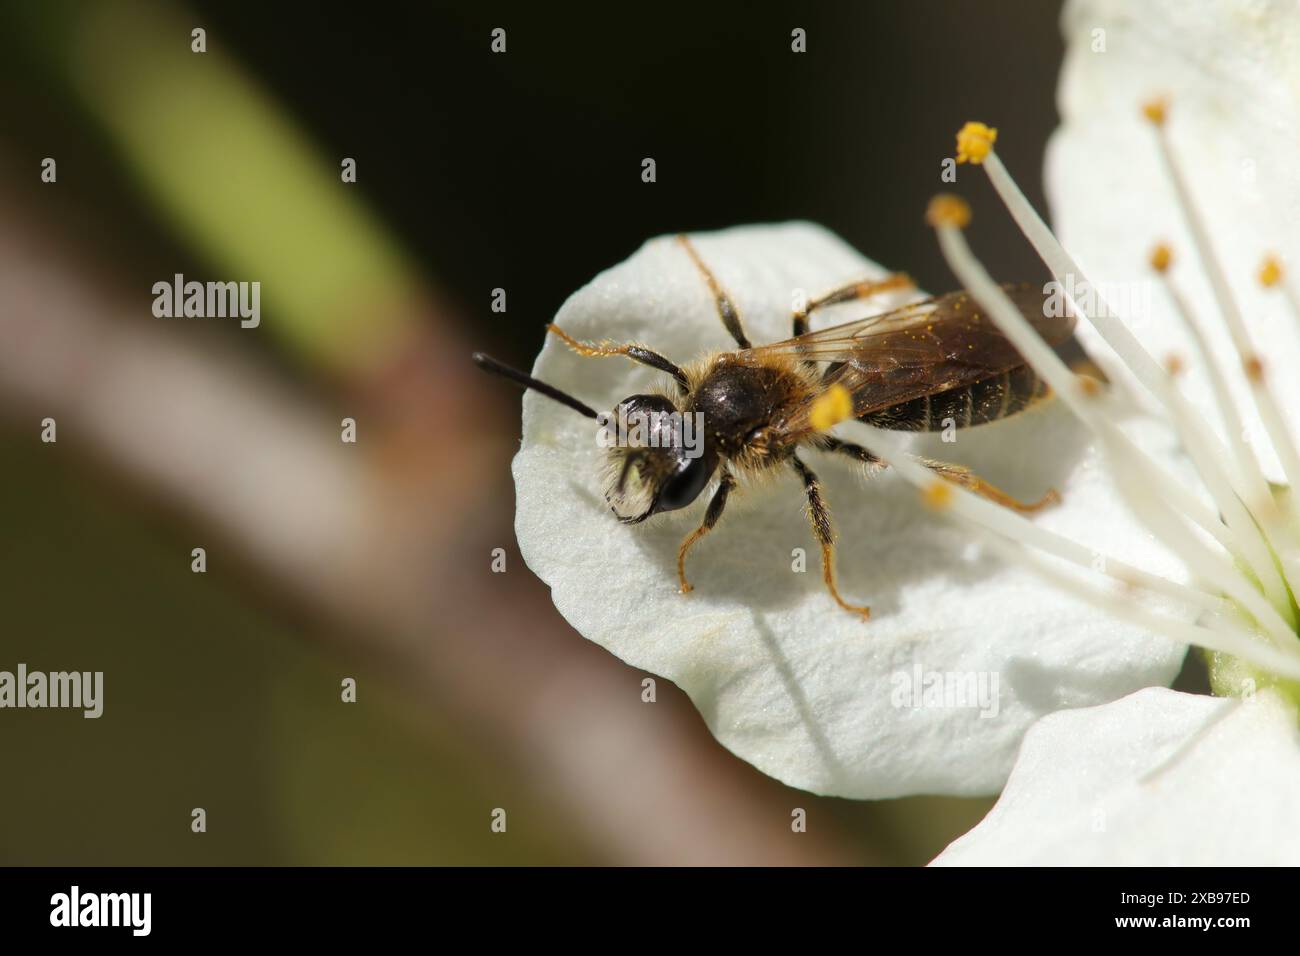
(985,401)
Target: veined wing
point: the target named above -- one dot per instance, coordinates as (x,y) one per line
(924,348)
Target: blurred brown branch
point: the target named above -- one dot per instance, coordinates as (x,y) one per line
(390,537)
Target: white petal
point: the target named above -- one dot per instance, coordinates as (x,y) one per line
(1158,779)
(784,678)
(1232,72)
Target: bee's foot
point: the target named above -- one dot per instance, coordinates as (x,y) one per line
(859,609)
(1053,497)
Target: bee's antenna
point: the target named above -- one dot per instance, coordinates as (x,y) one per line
(488,364)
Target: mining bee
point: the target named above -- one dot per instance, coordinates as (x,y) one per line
(914,368)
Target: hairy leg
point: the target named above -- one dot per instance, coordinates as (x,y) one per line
(820,517)
(711,516)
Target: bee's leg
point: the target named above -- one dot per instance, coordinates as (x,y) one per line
(711,516)
(857,452)
(820,516)
(727,310)
(967,479)
(637,353)
(862,289)
(958,473)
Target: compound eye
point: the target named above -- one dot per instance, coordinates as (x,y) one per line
(646,405)
(685,486)
(651,417)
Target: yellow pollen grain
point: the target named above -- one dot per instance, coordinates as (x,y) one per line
(937,495)
(946,209)
(830,408)
(1253,368)
(1270,272)
(1161,257)
(1156,110)
(1089,387)
(974,142)
(1174,364)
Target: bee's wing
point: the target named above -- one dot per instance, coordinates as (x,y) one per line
(920,349)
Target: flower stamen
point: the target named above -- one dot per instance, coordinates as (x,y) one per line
(1071,388)
(1014,537)
(1137,475)
(1238,643)
(974,142)
(945,209)
(1265,403)
(937,495)
(1273,276)
(1270,272)
(1111,328)
(1223,396)
(1249,475)
(1241,535)
(942,494)
(1156,110)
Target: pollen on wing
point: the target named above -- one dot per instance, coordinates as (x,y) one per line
(974,141)
(830,408)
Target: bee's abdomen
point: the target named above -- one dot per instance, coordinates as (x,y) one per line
(978,404)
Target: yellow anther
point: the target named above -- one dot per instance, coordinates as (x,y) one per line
(937,495)
(1161,257)
(1155,110)
(946,209)
(830,408)
(1270,272)
(1174,364)
(1089,387)
(974,142)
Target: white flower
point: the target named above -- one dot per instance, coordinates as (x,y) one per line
(784,678)
(1231,70)
(1215,182)
(1156,779)
(825,702)
(1165,778)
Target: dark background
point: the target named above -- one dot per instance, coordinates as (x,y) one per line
(520,171)
(523,170)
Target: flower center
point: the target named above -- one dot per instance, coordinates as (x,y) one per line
(1242,554)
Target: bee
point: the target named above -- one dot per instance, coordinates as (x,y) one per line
(926,366)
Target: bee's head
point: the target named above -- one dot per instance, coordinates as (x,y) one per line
(658,461)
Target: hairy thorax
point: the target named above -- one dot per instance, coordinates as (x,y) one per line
(742,401)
